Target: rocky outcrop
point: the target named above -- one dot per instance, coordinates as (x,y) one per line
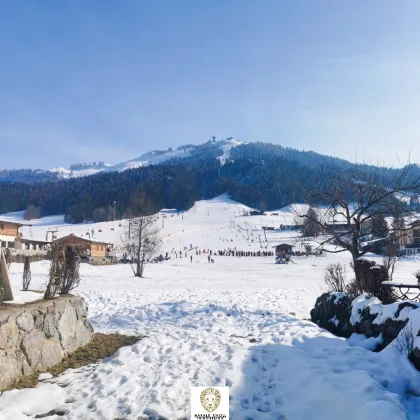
(332,311)
(343,316)
(39,335)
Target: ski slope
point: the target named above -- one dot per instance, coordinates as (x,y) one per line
(240,322)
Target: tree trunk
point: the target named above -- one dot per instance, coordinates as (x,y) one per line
(139,265)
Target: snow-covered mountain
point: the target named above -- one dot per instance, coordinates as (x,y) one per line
(153,158)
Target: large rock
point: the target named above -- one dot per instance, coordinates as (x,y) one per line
(31,346)
(9,335)
(67,328)
(25,322)
(332,311)
(51,354)
(39,335)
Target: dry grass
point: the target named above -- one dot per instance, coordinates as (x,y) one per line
(101,346)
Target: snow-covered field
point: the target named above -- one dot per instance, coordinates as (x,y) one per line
(240,322)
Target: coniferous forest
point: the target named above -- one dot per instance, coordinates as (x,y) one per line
(261,175)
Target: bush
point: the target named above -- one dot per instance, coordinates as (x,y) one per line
(57,269)
(71,278)
(417,275)
(369,279)
(26,281)
(334,278)
(352,289)
(8,257)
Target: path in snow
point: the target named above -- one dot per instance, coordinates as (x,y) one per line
(199,335)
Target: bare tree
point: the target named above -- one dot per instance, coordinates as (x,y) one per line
(334,278)
(26,281)
(353,201)
(390,257)
(142,242)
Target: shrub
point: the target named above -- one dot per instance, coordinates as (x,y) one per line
(369,279)
(417,275)
(26,281)
(334,278)
(57,268)
(405,340)
(71,277)
(352,289)
(8,257)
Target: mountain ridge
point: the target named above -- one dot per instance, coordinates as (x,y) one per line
(260,175)
(153,157)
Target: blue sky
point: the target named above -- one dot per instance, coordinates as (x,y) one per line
(109,80)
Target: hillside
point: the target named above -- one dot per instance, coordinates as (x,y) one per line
(261,175)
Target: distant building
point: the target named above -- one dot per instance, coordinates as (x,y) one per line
(11,238)
(409,239)
(9,231)
(28,247)
(283,247)
(92,249)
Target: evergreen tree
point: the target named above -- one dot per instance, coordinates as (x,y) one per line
(379,228)
(311,224)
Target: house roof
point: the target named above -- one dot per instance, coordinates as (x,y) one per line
(88,241)
(284,244)
(12,222)
(29,240)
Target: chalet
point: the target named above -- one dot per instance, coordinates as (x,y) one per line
(342,226)
(9,231)
(410,239)
(92,248)
(12,238)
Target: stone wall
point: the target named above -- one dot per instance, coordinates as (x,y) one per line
(39,335)
(344,315)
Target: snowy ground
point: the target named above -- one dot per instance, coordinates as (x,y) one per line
(240,322)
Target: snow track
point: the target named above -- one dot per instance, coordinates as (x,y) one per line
(277,366)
